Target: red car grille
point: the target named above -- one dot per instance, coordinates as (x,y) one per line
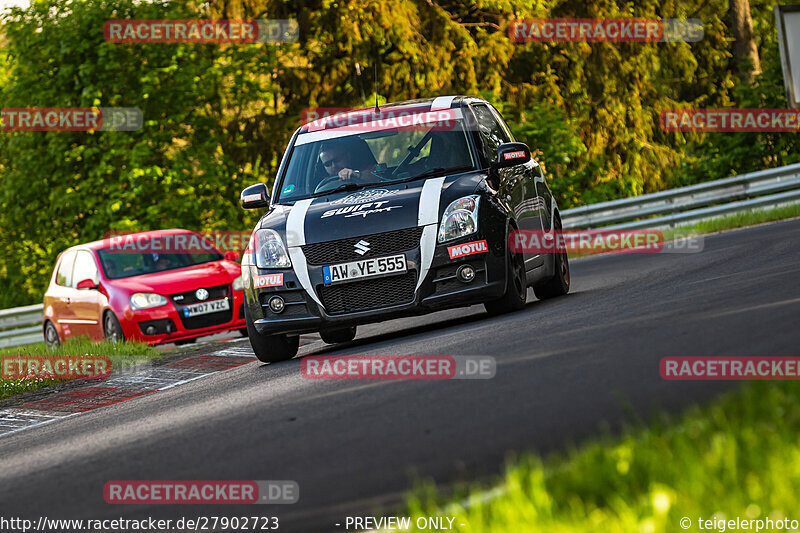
(189,297)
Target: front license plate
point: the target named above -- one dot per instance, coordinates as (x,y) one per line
(204,308)
(367,268)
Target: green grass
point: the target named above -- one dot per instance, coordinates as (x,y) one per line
(742,219)
(727,222)
(122,355)
(738,457)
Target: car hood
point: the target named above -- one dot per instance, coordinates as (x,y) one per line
(182,279)
(373,210)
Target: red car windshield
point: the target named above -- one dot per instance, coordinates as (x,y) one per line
(117,265)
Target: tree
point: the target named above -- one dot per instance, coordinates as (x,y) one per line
(218,117)
(745,50)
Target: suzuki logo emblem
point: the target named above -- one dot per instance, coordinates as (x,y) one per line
(201,294)
(361,247)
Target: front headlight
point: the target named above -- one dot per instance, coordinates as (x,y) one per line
(460,219)
(238,284)
(146,300)
(270,251)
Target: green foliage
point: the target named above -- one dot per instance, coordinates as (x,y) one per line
(184,168)
(736,458)
(218,117)
(718,155)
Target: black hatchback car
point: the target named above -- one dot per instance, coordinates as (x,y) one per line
(398,210)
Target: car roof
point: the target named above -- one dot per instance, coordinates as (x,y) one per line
(104,243)
(420,104)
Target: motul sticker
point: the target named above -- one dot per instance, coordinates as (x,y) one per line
(460,250)
(270,280)
(514,155)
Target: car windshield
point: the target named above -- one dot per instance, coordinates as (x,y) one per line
(380,155)
(118,264)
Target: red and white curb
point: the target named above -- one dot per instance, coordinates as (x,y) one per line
(126,387)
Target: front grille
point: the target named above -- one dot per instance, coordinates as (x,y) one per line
(343,250)
(187,298)
(207,321)
(368,294)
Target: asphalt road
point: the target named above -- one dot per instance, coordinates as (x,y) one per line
(566,368)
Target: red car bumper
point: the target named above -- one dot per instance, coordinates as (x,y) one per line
(166,323)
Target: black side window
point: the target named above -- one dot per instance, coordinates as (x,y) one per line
(64,275)
(492,133)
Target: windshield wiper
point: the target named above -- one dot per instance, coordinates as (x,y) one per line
(438,171)
(347,187)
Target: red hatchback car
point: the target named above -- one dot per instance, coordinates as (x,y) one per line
(102,292)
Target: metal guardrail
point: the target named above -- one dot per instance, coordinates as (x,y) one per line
(21,325)
(693,203)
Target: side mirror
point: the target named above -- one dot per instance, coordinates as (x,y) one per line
(511,155)
(86,284)
(255,196)
(231,255)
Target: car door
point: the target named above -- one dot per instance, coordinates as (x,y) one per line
(87,304)
(61,293)
(517,185)
(543,196)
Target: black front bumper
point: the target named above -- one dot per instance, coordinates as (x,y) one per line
(378,299)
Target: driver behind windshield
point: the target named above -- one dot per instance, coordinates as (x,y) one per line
(349,160)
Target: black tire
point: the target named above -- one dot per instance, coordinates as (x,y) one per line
(51,338)
(339,335)
(558,285)
(243,332)
(516,288)
(271,348)
(112,331)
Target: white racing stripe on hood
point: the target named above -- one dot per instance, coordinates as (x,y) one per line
(428,217)
(295,238)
